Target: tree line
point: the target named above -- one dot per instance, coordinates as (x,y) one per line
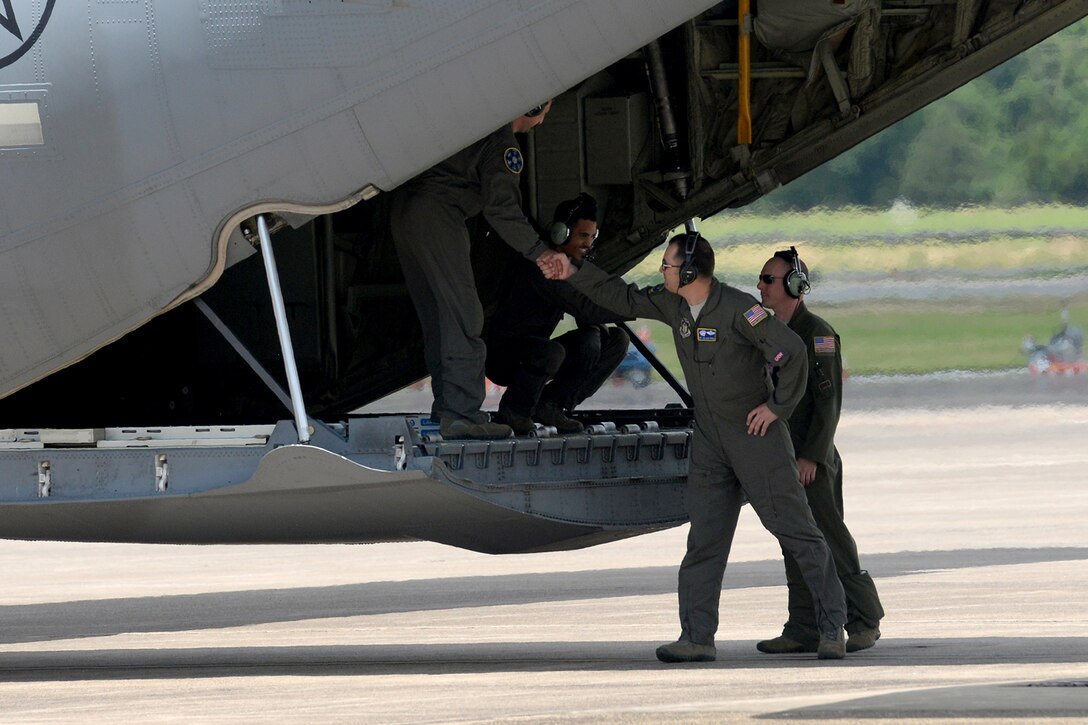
(1012,136)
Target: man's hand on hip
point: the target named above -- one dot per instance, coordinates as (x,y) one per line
(760,419)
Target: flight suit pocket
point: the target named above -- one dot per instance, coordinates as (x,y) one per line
(770,492)
(785,492)
(819,382)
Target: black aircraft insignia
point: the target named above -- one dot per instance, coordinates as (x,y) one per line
(8,20)
(10,23)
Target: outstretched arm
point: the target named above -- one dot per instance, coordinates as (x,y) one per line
(628,300)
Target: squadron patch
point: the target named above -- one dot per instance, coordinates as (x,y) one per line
(823,345)
(755,315)
(514,160)
(706,334)
(685,329)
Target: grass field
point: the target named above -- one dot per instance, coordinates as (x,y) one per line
(912,336)
(886,338)
(1037,256)
(901,220)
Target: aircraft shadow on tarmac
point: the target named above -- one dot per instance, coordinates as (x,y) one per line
(214,610)
(1035,700)
(501,657)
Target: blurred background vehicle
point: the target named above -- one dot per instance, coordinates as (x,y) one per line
(634,368)
(1064,353)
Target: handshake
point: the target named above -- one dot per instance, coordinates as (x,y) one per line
(555,265)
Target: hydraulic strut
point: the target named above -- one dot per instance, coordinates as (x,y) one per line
(672,167)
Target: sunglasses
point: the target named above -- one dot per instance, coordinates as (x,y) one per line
(665,266)
(768,278)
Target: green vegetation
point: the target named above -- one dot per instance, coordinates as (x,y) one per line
(984,183)
(881,336)
(923,337)
(928,336)
(846,224)
(1029,257)
(901,242)
(1008,138)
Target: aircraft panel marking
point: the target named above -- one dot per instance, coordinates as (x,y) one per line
(12,44)
(9,21)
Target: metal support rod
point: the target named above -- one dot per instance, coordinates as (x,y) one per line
(657,365)
(835,77)
(659,85)
(327,244)
(245,354)
(302,424)
(744,73)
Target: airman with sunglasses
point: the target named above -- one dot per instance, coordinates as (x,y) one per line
(812,430)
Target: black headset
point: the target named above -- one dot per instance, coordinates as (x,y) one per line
(560,230)
(688,271)
(796,281)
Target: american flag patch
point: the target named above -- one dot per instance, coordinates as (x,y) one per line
(823,345)
(756,315)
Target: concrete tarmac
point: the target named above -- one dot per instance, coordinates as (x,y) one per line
(972,522)
(947,390)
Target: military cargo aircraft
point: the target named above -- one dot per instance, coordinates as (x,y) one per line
(162,380)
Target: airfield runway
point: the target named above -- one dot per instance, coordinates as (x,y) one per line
(973,522)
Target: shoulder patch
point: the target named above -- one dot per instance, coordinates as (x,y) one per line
(823,345)
(514,160)
(755,315)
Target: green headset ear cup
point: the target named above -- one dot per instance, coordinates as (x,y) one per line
(560,230)
(558,233)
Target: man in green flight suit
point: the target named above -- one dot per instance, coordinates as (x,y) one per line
(741,447)
(783,284)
